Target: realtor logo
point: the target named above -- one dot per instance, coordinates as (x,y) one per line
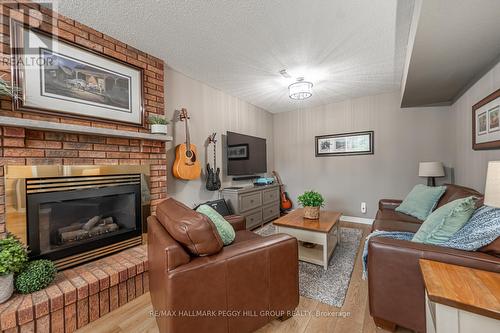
(24,13)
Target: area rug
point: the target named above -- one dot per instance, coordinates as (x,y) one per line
(330,286)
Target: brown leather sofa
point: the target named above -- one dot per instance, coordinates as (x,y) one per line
(396,287)
(197,285)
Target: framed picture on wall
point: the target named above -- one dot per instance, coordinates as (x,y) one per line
(56,76)
(486,122)
(344,144)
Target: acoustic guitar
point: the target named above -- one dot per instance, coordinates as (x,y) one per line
(285,202)
(186,165)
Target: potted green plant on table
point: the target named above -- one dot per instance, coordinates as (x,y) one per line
(158,124)
(13,256)
(312,201)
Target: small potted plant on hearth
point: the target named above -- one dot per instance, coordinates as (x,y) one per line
(13,257)
(35,276)
(158,124)
(312,201)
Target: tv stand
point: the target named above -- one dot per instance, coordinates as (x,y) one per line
(245,177)
(259,204)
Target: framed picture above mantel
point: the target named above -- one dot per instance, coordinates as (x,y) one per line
(64,78)
(486,122)
(344,144)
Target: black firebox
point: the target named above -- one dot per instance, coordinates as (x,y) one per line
(82,216)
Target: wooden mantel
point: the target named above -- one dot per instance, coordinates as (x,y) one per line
(79,129)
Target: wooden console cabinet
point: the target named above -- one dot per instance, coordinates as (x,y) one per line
(460,299)
(259,204)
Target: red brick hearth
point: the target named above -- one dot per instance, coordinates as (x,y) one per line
(79,295)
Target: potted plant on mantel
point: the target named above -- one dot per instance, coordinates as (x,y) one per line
(13,257)
(158,124)
(312,201)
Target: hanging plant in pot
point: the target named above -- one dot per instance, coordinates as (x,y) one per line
(311,201)
(158,124)
(13,257)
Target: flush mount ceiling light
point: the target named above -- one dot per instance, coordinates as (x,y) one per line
(300,90)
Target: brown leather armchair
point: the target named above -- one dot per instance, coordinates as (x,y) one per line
(239,288)
(395,284)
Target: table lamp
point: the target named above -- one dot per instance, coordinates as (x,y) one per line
(492,190)
(431,170)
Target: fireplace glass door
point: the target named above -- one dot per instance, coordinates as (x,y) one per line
(64,223)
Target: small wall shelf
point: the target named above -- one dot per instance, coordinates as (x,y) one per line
(79,129)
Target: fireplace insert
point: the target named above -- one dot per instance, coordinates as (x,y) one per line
(73,215)
(64,223)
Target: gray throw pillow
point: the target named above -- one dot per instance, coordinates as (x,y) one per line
(421,201)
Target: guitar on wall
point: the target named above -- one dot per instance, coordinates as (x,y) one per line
(213,177)
(285,202)
(186,165)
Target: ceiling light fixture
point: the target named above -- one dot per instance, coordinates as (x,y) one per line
(300,90)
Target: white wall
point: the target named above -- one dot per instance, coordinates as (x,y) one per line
(211,110)
(403,137)
(471,164)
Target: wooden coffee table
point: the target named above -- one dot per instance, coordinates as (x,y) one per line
(324,232)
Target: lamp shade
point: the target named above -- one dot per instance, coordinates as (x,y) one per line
(492,190)
(431,169)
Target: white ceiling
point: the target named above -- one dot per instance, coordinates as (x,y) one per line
(448,54)
(347,48)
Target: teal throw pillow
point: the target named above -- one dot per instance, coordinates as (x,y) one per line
(445,221)
(421,201)
(224,228)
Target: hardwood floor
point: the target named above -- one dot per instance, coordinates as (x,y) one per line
(313,316)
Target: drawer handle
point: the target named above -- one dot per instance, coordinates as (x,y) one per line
(251,201)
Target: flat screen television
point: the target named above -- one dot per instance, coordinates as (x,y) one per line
(246,155)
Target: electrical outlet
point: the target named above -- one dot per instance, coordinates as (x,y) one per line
(363,207)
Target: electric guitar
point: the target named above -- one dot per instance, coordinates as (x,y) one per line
(285,202)
(213,177)
(186,165)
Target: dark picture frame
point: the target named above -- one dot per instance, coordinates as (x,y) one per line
(133,117)
(345,144)
(486,122)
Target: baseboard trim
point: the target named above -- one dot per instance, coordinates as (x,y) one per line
(355,219)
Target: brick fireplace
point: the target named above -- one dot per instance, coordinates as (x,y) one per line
(36,140)
(33,146)
(73,214)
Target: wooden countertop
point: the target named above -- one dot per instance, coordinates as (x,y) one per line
(461,287)
(295,219)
